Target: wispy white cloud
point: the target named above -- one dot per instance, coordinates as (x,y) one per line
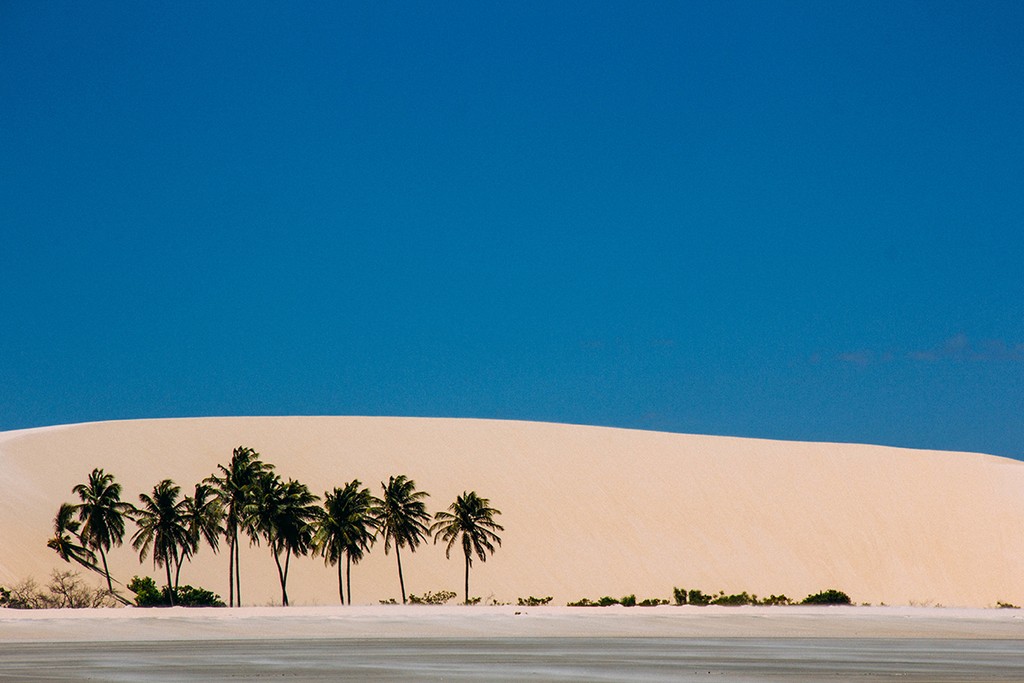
(958,348)
(861,358)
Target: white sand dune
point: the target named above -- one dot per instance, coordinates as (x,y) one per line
(588,511)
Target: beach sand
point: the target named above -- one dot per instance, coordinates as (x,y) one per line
(507,643)
(588,511)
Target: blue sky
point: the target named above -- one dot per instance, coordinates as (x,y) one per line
(796,220)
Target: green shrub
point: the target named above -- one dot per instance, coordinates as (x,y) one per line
(148,595)
(474,601)
(652,602)
(829,597)
(679,595)
(583,602)
(146,592)
(700,599)
(389,601)
(533,602)
(628,601)
(1007,605)
(607,601)
(774,600)
(737,600)
(428,598)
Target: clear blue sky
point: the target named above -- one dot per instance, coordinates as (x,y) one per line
(797,220)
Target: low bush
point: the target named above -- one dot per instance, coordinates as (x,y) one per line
(679,595)
(774,600)
(584,602)
(651,602)
(1007,605)
(829,597)
(147,594)
(533,602)
(695,597)
(428,598)
(628,601)
(737,600)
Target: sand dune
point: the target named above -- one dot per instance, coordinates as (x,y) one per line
(588,511)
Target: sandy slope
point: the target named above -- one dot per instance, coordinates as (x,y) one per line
(588,511)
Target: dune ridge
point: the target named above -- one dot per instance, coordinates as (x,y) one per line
(588,511)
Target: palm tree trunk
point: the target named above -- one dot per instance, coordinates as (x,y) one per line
(348,576)
(467,578)
(238,573)
(280,576)
(231,571)
(177,572)
(110,585)
(167,566)
(401,581)
(287,564)
(341,591)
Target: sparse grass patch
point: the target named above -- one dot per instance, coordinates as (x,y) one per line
(533,602)
(428,598)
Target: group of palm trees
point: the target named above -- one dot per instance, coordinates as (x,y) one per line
(247,499)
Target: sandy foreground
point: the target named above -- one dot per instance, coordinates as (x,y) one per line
(588,511)
(735,645)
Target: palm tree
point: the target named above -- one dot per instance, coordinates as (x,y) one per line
(102,514)
(346,530)
(401,517)
(285,514)
(162,527)
(203,515)
(66,541)
(233,488)
(471,519)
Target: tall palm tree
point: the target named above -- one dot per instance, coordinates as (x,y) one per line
(102,514)
(402,516)
(162,528)
(66,541)
(203,515)
(285,514)
(469,519)
(233,487)
(346,530)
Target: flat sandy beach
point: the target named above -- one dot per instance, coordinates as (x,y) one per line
(512,643)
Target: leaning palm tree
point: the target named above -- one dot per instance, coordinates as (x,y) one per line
(66,541)
(203,515)
(162,528)
(102,514)
(402,516)
(469,519)
(346,530)
(233,487)
(285,514)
